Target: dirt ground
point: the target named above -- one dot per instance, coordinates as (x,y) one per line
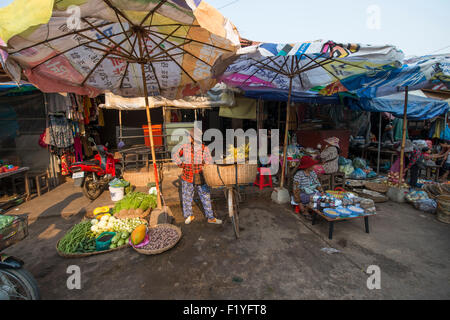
(278,256)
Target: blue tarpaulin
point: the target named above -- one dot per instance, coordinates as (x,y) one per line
(419,108)
(272,94)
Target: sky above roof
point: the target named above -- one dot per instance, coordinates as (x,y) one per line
(415,26)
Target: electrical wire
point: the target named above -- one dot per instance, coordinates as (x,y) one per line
(228,4)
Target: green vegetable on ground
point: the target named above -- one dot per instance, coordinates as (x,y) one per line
(73,240)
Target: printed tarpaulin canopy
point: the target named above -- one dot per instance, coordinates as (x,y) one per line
(91,46)
(419,107)
(309,64)
(273,94)
(216,97)
(417,73)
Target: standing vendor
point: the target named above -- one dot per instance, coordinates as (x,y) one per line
(306,184)
(414,157)
(330,155)
(445,155)
(192,157)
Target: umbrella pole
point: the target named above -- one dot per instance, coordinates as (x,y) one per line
(405,123)
(120,125)
(379,146)
(149,121)
(283,169)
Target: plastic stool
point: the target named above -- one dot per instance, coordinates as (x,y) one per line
(262,174)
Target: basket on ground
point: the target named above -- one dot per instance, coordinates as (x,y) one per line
(443,209)
(377,187)
(15,232)
(227,174)
(159,251)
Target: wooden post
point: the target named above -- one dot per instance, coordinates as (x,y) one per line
(283,170)
(405,125)
(149,121)
(120,125)
(379,145)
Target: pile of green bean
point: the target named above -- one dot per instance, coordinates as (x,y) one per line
(69,243)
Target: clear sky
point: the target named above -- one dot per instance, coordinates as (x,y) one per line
(418,27)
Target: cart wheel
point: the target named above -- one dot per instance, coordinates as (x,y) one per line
(233,211)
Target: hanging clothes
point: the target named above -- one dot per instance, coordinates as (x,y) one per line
(60,132)
(78,149)
(398,129)
(67,159)
(101,119)
(87,107)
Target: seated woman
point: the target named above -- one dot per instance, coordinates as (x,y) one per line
(445,155)
(306,184)
(330,155)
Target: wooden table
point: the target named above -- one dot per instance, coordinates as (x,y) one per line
(138,152)
(390,153)
(331,221)
(20,171)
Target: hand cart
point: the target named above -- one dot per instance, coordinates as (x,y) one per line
(231,176)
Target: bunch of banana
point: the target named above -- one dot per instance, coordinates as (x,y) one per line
(237,154)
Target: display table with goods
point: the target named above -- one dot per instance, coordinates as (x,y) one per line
(13,172)
(341,206)
(108,228)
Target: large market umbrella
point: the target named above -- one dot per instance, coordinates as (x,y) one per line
(298,67)
(129,47)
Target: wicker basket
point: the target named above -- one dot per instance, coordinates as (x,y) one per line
(378,187)
(84,255)
(443,209)
(159,251)
(139,179)
(373,195)
(223,175)
(15,232)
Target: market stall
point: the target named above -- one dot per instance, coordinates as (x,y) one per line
(124,224)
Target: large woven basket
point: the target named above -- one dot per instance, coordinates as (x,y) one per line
(223,175)
(378,187)
(159,251)
(373,195)
(443,209)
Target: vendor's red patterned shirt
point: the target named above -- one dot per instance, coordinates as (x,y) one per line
(191,160)
(415,156)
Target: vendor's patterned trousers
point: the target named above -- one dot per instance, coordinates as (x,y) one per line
(187,190)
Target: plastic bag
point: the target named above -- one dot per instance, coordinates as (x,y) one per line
(371,174)
(119,183)
(416,196)
(343,161)
(359,163)
(347,169)
(358,174)
(426,205)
